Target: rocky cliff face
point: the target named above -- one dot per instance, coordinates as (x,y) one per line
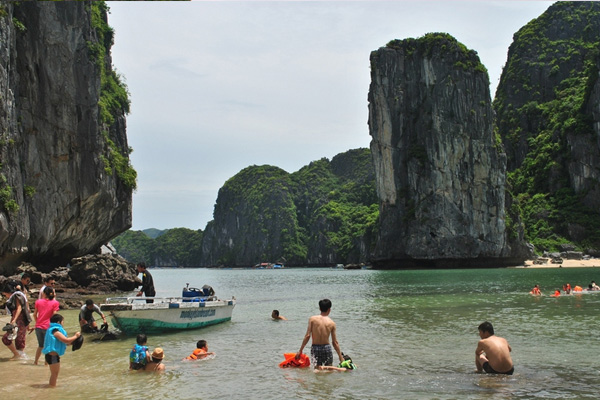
(440,174)
(323,214)
(548,112)
(254,219)
(60,195)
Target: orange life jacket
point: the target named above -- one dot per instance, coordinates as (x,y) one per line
(196,354)
(291,362)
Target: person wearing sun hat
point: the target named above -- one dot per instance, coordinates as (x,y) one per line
(156,365)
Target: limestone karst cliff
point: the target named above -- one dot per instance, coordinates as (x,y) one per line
(323,214)
(548,112)
(65,178)
(440,173)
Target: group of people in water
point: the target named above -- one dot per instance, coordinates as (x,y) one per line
(567,289)
(492,352)
(140,358)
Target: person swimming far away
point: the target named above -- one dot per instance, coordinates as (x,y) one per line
(536,291)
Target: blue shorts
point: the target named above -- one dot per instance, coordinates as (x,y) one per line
(321,354)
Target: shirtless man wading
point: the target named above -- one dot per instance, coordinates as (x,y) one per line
(493,352)
(320,327)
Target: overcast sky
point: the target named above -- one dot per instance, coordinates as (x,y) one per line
(219,86)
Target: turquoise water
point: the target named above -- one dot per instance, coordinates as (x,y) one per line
(411,333)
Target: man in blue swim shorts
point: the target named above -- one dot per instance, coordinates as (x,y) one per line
(320,327)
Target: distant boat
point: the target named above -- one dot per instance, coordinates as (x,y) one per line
(191,311)
(266,265)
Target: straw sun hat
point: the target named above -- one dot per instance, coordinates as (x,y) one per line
(158,353)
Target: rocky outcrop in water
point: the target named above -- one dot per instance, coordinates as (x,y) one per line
(63,147)
(440,174)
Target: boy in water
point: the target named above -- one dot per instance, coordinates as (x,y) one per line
(139,355)
(347,365)
(200,352)
(55,344)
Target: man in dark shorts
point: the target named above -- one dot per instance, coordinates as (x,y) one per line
(493,352)
(86,317)
(147,283)
(320,327)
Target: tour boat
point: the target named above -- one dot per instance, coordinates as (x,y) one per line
(195,309)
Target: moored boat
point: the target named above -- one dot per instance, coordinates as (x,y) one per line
(132,315)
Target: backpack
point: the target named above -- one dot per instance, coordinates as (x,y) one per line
(137,356)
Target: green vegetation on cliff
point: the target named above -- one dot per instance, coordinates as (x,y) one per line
(446,44)
(259,213)
(174,247)
(540,103)
(114,96)
(339,206)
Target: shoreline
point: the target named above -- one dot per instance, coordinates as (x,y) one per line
(591,263)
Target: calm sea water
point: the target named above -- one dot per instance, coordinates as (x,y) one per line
(411,333)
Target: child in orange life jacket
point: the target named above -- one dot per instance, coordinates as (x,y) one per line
(200,352)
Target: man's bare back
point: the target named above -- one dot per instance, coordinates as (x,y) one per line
(494,351)
(320,328)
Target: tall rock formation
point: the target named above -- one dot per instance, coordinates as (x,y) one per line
(548,111)
(65,178)
(255,220)
(440,174)
(321,215)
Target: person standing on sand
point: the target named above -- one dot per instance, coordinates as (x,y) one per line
(492,354)
(45,308)
(147,283)
(17,307)
(320,327)
(48,281)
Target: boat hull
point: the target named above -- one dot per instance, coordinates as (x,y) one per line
(133,318)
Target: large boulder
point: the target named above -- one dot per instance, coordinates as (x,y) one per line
(105,272)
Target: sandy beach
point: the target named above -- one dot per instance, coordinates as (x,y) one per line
(594,262)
